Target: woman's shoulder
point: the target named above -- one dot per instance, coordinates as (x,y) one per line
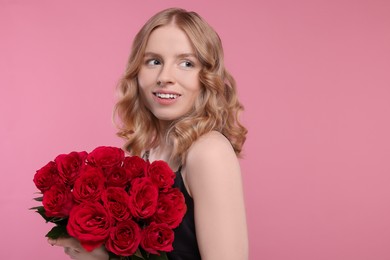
(210,159)
(210,144)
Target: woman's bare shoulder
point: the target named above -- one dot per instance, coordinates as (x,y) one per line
(211,145)
(210,159)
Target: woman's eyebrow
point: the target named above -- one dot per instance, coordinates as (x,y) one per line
(186,55)
(181,55)
(151,54)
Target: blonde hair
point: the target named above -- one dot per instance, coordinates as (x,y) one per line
(216,109)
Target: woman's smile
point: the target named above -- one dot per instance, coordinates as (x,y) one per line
(165,98)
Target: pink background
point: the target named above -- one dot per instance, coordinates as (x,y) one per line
(315,80)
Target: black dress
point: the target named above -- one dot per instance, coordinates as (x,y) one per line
(185,246)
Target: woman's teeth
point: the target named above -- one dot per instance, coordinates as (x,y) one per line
(166,96)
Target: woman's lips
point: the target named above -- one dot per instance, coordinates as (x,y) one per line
(165,98)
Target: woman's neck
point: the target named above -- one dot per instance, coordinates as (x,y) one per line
(163,153)
(164,149)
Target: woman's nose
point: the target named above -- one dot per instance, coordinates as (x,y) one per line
(166,75)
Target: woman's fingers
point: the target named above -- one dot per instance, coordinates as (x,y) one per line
(65,242)
(73,253)
(73,248)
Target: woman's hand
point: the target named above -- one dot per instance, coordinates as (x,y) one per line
(73,248)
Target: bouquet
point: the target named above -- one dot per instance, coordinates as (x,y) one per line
(106,198)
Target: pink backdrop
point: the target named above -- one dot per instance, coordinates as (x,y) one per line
(314,77)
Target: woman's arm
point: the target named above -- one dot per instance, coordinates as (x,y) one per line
(213,178)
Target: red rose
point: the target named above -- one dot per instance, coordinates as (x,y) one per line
(157,237)
(106,156)
(117,177)
(171,208)
(161,174)
(89,186)
(124,238)
(90,223)
(135,166)
(143,198)
(46,177)
(69,166)
(116,201)
(57,201)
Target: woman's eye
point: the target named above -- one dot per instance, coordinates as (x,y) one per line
(153,62)
(186,64)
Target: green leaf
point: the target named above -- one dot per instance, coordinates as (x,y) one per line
(138,254)
(34,208)
(56,232)
(59,221)
(134,257)
(41,211)
(39,198)
(143,253)
(148,256)
(162,256)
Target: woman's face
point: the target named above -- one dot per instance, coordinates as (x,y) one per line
(169,76)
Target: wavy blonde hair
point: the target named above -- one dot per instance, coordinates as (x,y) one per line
(217,107)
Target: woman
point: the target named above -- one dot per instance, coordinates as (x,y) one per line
(179,104)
